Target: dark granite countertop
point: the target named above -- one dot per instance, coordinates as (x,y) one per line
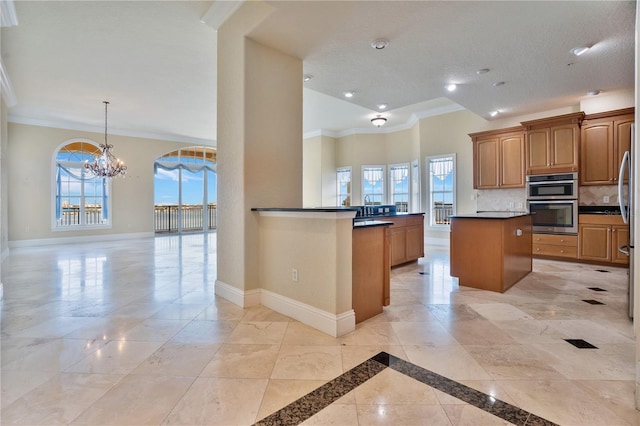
(489,215)
(369,223)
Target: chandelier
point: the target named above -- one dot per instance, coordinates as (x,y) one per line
(106,165)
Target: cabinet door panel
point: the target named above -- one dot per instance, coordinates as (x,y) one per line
(537,152)
(487,157)
(622,135)
(620,236)
(594,242)
(596,144)
(564,146)
(512,161)
(398,246)
(415,242)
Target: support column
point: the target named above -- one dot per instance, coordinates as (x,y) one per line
(259,144)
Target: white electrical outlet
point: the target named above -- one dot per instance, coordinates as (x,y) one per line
(511,205)
(294,275)
(520,206)
(605,199)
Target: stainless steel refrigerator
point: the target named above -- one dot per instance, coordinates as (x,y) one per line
(626,201)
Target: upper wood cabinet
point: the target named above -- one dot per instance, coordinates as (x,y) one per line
(604,139)
(552,144)
(498,158)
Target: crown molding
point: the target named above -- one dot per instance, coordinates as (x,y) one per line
(413,119)
(120,132)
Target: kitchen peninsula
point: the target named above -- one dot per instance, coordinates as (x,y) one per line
(322,267)
(491,250)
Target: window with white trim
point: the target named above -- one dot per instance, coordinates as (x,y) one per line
(80,199)
(415,186)
(442,189)
(343,179)
(399,186)
(373,193)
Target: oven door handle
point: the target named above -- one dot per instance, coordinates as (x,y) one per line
(547,182)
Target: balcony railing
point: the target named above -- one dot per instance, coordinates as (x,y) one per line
(441,213)
(167,218)
(70,216)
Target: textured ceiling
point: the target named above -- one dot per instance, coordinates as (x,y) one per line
(156,62)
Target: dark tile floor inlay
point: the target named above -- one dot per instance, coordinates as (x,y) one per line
(312,403)
(592,302)
(423,273)
(581,344)
(596,289)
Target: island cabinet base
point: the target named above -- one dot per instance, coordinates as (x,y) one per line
(370,271)
(490,254)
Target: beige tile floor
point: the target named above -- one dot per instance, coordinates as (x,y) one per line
(131,333)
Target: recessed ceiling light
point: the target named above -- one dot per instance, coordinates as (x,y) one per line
(349,94)
(382,106)
(494,113)
(482,71)
(498,83)
(380,43)
(450,87)
(594,92)
(579,50)
(307,77)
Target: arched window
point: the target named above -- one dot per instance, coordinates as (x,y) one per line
(185,182)
(80,199)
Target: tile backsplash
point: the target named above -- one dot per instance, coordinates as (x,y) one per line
(516,199)
(595,195)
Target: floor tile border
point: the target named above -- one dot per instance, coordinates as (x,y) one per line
(320,398)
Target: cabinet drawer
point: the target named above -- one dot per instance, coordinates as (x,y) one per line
(558,240)
(397,222)
(555,250)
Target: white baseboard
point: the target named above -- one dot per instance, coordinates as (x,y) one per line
(79,239)
(331,324)
(244,299)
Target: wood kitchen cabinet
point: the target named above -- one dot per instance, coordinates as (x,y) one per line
(552,144)
(555,245)
(604,139)
(407,237)
(599,237)
(499,158)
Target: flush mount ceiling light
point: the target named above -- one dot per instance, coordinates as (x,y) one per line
(307,77)
(106,165)
(380,43)
(451,87)
(482,71)
(378,121)
(382,106)
(498,84)
(494,113)
(594,92)
(349,94)
(579,50)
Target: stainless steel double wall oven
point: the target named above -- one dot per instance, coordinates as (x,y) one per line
(553,200)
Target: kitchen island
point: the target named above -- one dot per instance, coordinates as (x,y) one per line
(491,250)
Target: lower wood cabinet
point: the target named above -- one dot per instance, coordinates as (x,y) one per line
(554,245)
(407,237)
(599,238)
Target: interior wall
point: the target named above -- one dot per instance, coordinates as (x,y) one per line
(312,171)
(4,213)
(30,163)
(328,172)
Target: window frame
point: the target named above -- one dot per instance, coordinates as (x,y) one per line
(431,223)
(384,183)
(349,193)
(54,193)
(415,186)
(392,192)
